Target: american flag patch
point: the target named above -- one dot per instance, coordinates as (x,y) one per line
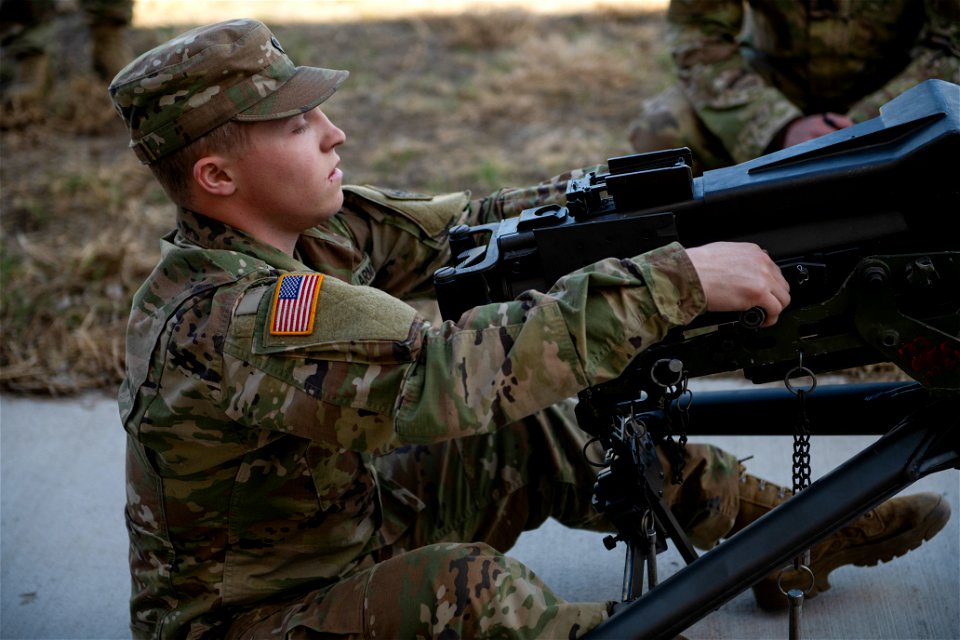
(295,304)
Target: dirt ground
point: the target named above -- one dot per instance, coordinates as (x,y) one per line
(435,102)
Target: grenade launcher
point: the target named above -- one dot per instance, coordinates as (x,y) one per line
(865,226)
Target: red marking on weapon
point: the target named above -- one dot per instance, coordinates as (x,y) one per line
(932,360)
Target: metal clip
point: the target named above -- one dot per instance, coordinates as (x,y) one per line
(800,371)
(795,596)
(650,530)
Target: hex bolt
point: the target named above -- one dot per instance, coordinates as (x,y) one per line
(875,275)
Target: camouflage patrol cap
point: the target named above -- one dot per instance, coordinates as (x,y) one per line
(234,70)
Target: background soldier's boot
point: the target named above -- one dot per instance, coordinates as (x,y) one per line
(31,81)
(110,50)
(880,535)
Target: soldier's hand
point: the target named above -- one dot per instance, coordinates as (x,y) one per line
(737,276)
(814,126)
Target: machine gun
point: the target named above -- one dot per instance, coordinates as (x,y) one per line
(863,222)
(864,225)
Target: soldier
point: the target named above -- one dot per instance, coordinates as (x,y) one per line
(758,77)
(28,36)
(306,454)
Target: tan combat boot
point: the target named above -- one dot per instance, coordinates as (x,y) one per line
(880,535)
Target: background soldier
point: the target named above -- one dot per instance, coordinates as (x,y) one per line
(31,40)
(759,76)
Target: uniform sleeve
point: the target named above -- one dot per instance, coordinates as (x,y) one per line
(505,361)
(395,240)
(732,100)
(509,202)
(936,55)
(371,376)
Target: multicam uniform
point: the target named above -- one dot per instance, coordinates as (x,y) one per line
(363,478)
(27,27)
(747,69)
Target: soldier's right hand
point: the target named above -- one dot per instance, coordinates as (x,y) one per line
(810,127)
(738,276)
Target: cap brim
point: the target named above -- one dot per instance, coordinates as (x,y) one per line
(307,88)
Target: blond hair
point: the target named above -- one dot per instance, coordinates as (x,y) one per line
(174,172)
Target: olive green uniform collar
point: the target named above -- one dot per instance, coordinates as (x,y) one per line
(203,231)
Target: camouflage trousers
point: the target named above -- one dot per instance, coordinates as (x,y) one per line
(668,121)
(447,574)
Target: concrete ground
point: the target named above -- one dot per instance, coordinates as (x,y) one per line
(63,571)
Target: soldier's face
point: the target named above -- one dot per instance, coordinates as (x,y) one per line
(290,173)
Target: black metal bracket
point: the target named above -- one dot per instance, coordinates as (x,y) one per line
(925,441)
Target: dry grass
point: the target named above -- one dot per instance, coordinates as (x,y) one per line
(443,102)
(439,102)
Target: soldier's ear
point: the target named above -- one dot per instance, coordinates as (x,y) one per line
(212,176)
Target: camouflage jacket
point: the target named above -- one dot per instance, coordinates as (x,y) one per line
(749,68)
(249,454)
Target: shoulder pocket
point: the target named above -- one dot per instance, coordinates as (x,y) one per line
(433,214)
(350,323)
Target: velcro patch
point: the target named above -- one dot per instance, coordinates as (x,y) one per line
(295,304)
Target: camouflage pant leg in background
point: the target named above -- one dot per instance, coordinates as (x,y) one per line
(668,121)
(118,12)
(444,572)
(33,30)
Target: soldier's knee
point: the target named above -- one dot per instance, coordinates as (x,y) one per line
(661,122)
(669,121)
(463,589)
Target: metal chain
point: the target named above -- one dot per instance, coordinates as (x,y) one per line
(801,432)
(801,446)
(801,480)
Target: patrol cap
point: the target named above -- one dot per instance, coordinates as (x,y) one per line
(233,70)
